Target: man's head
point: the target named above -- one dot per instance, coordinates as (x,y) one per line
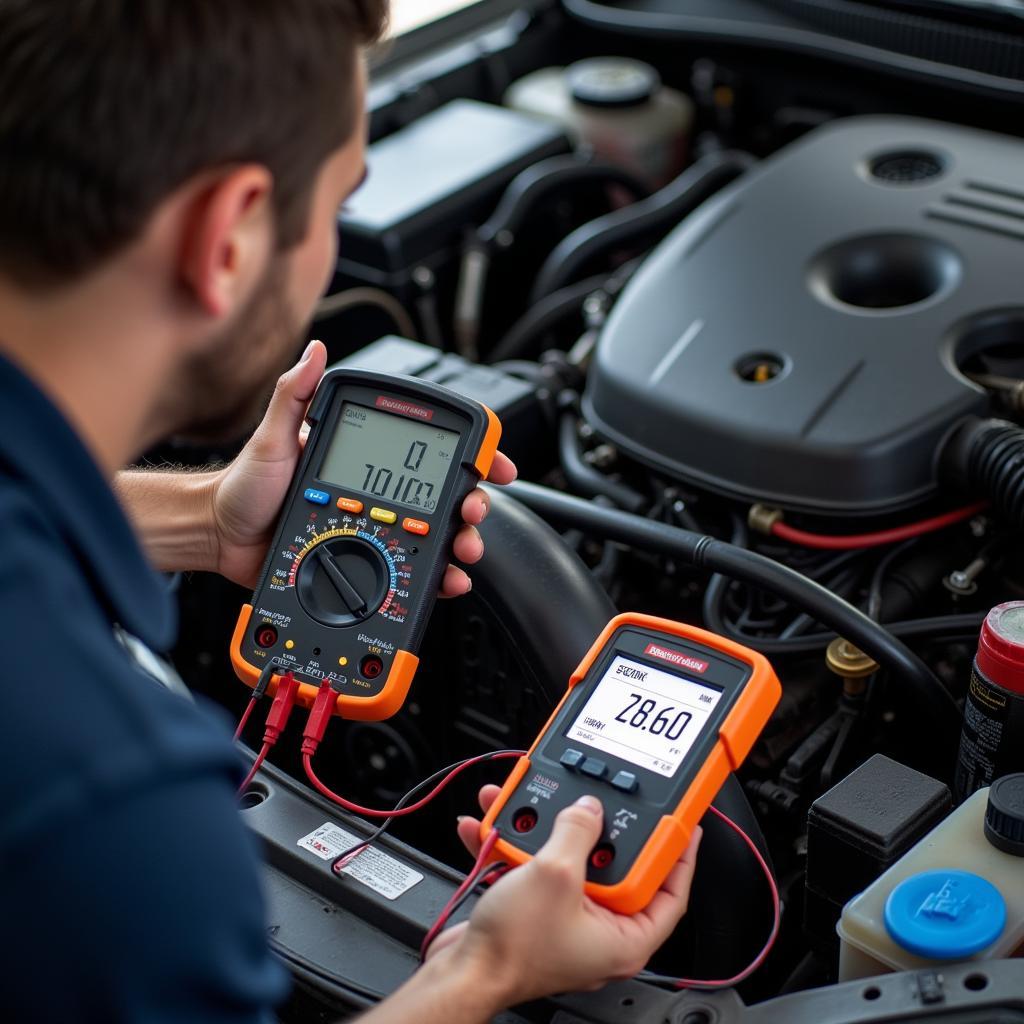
(212,139)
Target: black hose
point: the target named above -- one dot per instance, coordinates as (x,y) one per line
(935,703)
(965,626)
(498,232)
(543,177)
(986,457)
(641,224)
(585,479)
(542,317)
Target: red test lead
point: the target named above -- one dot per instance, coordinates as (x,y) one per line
(277,719)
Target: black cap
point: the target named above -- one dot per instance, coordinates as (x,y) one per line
(1004,816)
(612,82)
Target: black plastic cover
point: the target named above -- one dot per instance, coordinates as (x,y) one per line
(431,178)
(868,821)
(797,339)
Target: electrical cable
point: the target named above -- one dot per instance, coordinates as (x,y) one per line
(340,302)
(702,551)
(243,721)
(256,766)
(370,812)
(830,542)
(277,717)
(258,692)
(747,971)
(468,883)
(347,856)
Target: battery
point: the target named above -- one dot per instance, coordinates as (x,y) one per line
(992,737)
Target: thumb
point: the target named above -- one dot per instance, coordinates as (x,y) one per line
(577,828)
(279,430)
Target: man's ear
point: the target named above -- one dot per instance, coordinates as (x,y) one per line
(229,238)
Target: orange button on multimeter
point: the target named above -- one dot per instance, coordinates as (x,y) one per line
(345,594)
(656,716)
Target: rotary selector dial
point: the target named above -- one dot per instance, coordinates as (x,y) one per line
(342,581)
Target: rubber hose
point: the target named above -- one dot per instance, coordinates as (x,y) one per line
(986,457)
(543,317)
(641,223)
(585,479)
(934,703)
(524,558)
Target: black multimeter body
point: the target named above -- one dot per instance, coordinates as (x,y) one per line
(364,538)
(655,718)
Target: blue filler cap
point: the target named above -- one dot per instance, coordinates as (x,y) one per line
(945,915)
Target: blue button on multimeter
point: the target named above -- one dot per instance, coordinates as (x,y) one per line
(317,497)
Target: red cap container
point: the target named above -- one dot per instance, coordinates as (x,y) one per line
(1001,646)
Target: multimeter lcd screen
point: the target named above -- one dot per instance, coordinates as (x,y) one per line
(390,457)
(645,716)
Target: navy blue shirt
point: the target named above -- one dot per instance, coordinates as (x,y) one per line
(129,887)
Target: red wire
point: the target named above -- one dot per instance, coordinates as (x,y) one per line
(467,883)
(256,765)
(245,718)
(830,542)
(369,812)
(776,908)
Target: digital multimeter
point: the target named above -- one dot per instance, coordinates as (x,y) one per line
(655,717)
(364,538)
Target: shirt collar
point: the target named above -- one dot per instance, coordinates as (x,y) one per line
(39,448)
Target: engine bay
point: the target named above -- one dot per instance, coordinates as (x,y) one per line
(776,393)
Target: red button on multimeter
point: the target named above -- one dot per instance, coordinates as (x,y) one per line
(655,718)
(345,593)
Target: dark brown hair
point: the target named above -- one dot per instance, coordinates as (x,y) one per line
(107,106)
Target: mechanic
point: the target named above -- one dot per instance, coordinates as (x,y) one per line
(170,173)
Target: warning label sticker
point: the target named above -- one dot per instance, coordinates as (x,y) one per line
(374,868)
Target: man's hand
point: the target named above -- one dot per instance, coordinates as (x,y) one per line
(536,933)
(247,495)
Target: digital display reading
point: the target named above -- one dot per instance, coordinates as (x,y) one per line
(390,457)
(645,716)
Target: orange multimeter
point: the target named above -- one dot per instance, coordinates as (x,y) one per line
(364,539)
(656,716)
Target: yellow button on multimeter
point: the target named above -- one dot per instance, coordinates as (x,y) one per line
(345,595)
(656,716)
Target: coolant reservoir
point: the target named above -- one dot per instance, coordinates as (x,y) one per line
(958,895)
(617,107)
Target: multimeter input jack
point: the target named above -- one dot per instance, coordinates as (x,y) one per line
(524,820)
(266,636)
(371,666)
(602,856)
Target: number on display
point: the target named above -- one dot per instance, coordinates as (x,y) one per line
(663,724)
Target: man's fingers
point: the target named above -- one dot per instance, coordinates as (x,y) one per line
(283,420)
(455,582)
(576,830)
(503,470)
(469,832)
(468,546)
(487,795)
(469,828)
(476,506)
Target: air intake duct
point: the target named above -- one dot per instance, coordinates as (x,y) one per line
(986,458)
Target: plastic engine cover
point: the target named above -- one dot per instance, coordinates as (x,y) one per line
(797,340)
